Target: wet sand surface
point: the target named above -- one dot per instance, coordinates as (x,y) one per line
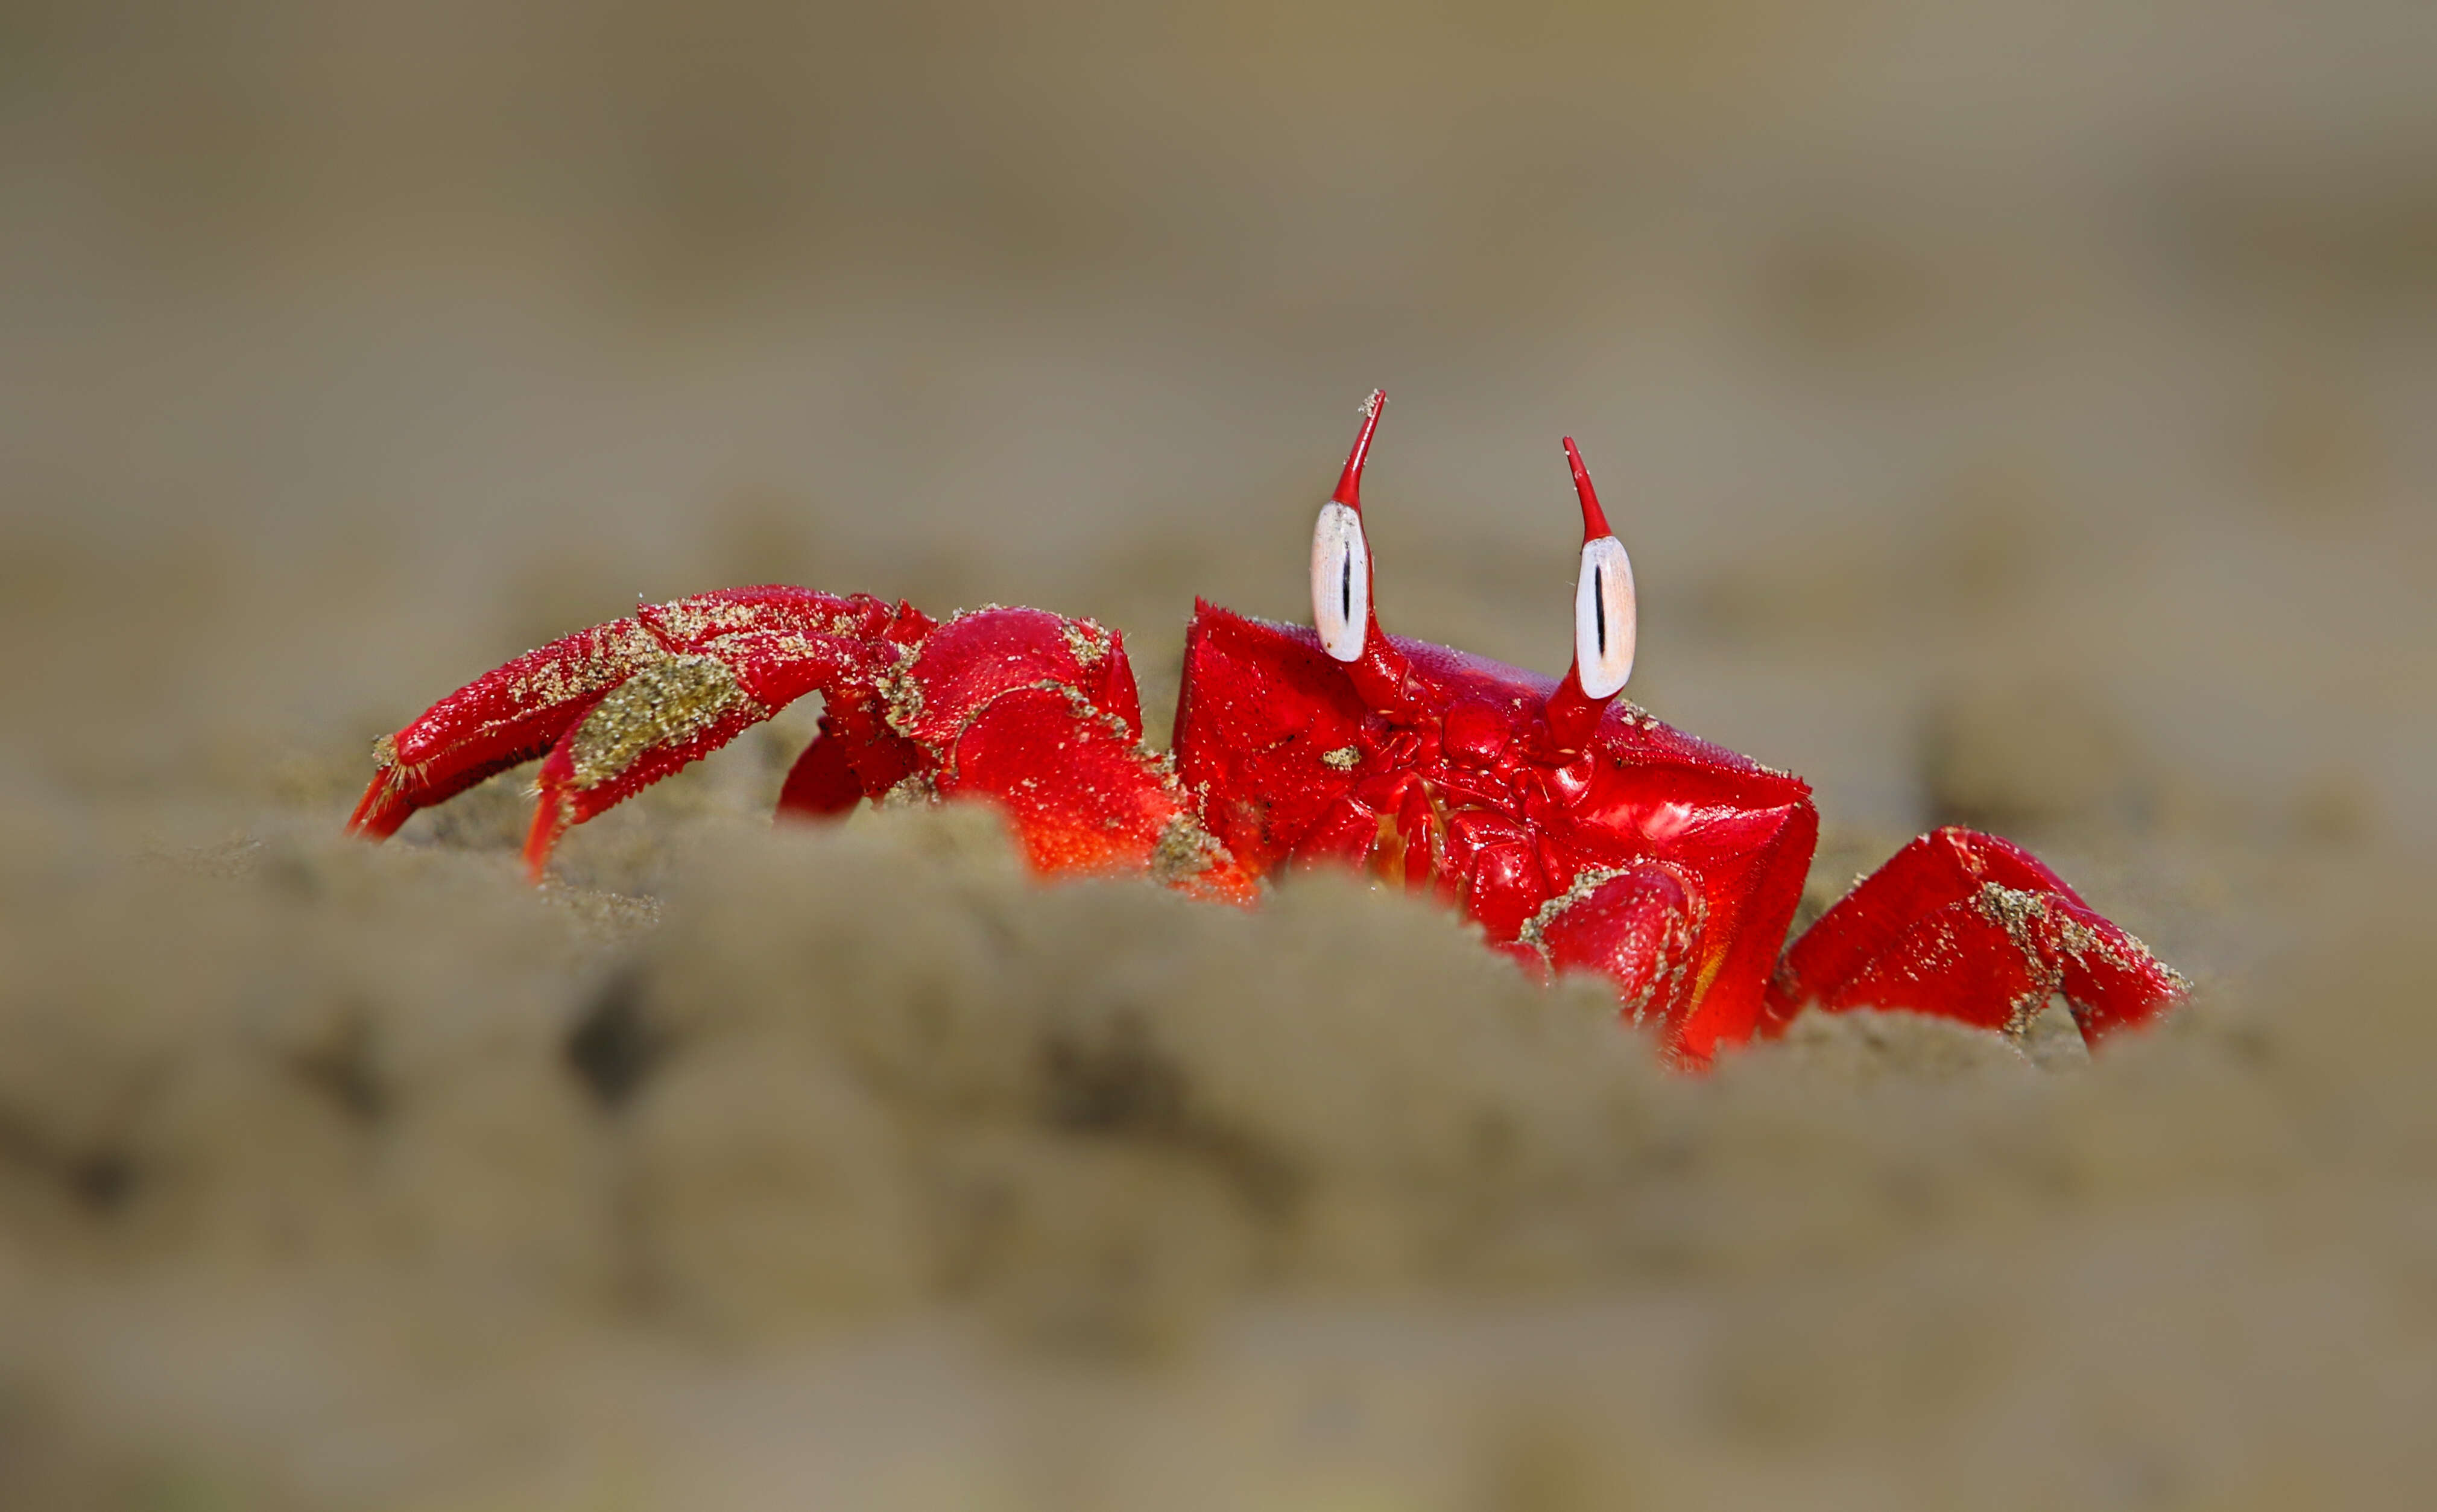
(2013,428)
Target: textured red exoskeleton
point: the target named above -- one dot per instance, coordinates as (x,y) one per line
(1577,831)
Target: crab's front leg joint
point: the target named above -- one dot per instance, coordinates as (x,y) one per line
(1637,925)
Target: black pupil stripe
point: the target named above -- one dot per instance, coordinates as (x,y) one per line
(1599,606)
(1346,588)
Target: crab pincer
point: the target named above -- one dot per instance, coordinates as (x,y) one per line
(614,708)
(1974,928)
(1026,709)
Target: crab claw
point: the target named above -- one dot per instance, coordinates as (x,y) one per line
(1970,927)
(1033,712)
(621,705)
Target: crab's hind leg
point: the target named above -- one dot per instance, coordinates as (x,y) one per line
(1967,926)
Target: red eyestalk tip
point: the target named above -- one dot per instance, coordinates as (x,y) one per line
(1349,484)
(1594,519)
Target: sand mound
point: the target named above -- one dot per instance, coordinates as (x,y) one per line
(357,1177)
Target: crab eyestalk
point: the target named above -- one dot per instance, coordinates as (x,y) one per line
(1603,621)
(1342,607)
(1340,554)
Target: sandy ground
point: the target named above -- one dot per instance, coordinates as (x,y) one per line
(2014,421)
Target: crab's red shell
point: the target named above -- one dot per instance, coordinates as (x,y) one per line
(1577,831)
(1667,862)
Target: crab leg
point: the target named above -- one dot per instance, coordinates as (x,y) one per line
(623,704)
(1969,927)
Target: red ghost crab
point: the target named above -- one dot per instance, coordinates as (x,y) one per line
(1578,832)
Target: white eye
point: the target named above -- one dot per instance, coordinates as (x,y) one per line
(1340,581)
(1604,617)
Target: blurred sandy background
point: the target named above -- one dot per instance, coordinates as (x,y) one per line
(2018,414)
